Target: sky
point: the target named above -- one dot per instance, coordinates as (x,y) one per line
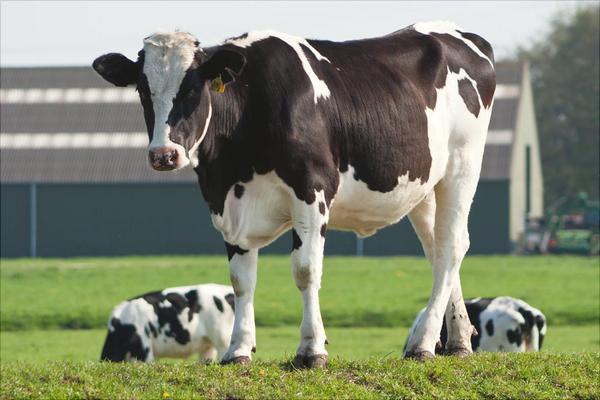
(75,32)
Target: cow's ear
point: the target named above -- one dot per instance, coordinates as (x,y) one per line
(224,63)
(116,69)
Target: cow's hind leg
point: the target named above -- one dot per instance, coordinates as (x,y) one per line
(242,270)
(309,227)
(458,324)
(453,197)
(422,218)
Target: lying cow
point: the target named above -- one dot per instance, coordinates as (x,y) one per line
(286,133)
(175,322)
(502,324)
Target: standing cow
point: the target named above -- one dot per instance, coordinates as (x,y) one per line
(288,133)
(175,322)
(503,324)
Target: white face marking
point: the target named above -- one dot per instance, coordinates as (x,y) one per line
(167,58)
(319,86)
(449,28)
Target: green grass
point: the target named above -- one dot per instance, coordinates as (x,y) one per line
(483,376)
(273,343)
(79,293)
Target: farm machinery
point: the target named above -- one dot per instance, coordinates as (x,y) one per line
(569,226)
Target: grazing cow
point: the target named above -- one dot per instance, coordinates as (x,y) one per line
(286,133)
(503,324)
(175,322)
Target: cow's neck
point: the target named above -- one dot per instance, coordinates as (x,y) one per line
(225,116)
(222,155)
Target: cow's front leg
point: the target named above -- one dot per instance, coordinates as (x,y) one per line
(242,271)
(309,227)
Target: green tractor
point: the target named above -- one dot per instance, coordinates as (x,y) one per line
(573,226)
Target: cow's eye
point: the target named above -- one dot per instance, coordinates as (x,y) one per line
(191,94)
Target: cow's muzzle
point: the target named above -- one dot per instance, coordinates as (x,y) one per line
(164,158)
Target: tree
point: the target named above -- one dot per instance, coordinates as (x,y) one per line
(565,74)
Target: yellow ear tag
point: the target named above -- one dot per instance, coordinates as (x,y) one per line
(217,84)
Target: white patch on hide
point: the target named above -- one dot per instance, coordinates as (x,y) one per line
(319,86)
(260,216)
(449,28)
(362,210)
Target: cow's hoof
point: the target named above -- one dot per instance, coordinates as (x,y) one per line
(420,355)
(460,352)
(314,361)
(240,360)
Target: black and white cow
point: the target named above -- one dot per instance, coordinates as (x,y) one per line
(175,322)
(504,324)
(288,133)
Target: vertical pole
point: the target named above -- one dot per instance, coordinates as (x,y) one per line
(360,246)
(33,220)
(527,180)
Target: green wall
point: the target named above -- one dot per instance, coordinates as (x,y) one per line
(119,219)
(14,220)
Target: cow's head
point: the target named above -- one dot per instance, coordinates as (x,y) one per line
(123,343)
(172,75)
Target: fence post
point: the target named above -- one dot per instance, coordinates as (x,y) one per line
(360,246)
(33,220)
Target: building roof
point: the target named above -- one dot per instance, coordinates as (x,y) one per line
(66,124)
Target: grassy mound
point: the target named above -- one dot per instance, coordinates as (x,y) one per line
(485,376)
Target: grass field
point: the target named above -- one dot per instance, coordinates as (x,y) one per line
(79,293)
(53,315)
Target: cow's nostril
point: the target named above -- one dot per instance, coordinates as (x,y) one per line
(163,159)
